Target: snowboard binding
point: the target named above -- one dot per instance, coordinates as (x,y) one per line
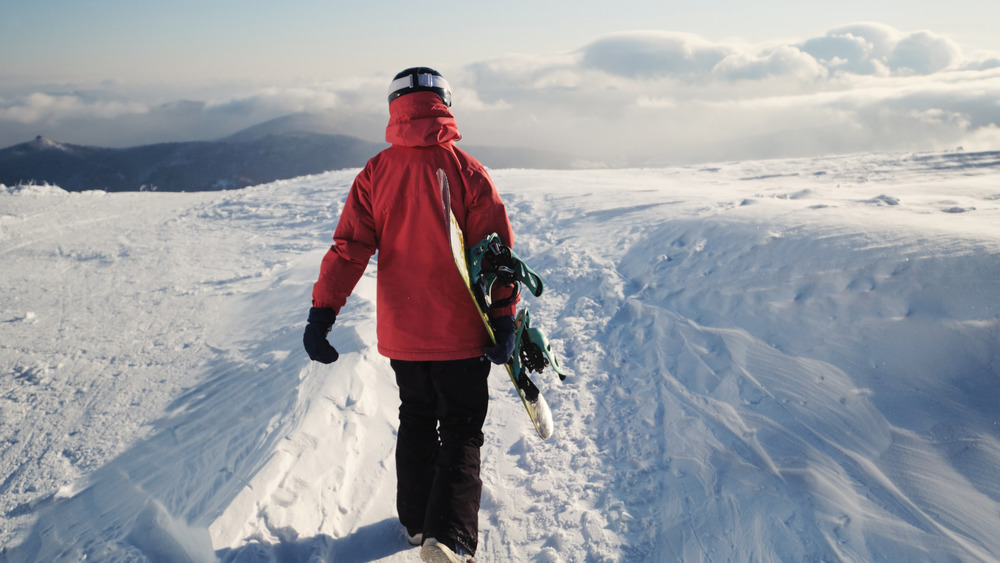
(532,351)
(492,263)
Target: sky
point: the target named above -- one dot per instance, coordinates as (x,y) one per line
(609,83)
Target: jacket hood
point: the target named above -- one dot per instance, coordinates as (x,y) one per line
(419,120)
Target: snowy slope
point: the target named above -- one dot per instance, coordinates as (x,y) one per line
(780,360)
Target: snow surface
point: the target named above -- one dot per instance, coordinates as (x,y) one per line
(774,361)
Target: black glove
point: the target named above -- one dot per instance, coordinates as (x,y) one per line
(320,322)
(503,332)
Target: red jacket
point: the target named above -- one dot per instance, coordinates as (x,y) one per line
(424,311)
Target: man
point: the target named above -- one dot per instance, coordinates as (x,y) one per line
(427,324)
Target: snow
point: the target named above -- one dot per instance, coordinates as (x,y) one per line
(775,360)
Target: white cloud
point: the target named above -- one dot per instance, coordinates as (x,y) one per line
(982,139)
(877,49)
(104,117)
(41,106)
(680,97)
(924,53)
(654,54)
(520,77)
(783,60)
(645,101)
(980,60)
(843,51)
(623,98)
(469,100)
(879,38)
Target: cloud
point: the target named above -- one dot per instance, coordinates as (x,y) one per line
(107,117)
(924,53)
(39,106)
(520,77)
(654,54)
(632,98)
(877,49)
(782,61)
(675,97)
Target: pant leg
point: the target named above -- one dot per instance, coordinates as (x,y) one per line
(437,455)
(417,443)
(453,506)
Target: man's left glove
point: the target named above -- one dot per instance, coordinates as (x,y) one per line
(320,322)
(503,332)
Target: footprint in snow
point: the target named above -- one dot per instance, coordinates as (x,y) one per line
(882,200)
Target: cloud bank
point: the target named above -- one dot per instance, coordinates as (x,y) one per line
(631,98)
(662,97)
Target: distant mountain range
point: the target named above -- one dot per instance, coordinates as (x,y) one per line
(286,147)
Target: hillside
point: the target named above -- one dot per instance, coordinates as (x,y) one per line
(774,361)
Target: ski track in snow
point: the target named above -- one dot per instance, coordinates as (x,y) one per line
(773,361)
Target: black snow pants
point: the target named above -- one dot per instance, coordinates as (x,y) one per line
(441,415)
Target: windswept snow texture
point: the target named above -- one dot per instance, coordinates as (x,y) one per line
(774,361)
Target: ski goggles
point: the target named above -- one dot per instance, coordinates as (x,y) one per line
(423,82)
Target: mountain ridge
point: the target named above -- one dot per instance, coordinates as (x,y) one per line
(287,147)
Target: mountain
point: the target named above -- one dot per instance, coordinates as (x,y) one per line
(327,124)
(324,123)
(288,147)
(191,166)
(784,360)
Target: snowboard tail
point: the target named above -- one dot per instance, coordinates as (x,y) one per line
(480,268)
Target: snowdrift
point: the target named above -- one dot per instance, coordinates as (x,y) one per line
(774,361)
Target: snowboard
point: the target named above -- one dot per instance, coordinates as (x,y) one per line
(532,351)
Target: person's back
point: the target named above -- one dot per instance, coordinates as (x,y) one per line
(427,324)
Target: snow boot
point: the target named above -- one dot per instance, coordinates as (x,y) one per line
(435,552)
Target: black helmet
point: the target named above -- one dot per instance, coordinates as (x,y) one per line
(420,79)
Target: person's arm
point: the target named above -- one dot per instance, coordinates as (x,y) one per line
(355,241)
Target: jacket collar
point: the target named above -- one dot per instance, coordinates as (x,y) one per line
(420,119)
